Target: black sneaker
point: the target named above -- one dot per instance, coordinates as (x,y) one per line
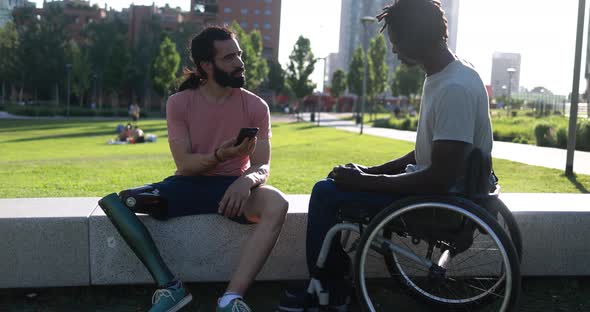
(302,301)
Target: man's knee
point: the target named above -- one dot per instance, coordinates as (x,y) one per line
(274,201)
(324,191)
(323,187)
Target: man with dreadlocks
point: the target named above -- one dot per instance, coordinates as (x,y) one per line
(215,173)
(454,119)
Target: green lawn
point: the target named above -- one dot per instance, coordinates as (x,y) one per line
(57,158)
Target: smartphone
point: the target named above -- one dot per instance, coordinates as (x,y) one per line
(246,133)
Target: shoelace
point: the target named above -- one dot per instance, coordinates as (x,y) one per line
(161,293)
(240,306)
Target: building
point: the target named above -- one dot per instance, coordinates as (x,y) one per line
(351,29)
(7,6)
(332,65)
(262,15)
(451,8)
(77,15)
(503,81)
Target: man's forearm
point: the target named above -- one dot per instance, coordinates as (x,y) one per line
(196,164)
(419,182)
(395,166)
(257,174)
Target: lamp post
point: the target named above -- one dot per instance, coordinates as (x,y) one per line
(510,71)
(95,98)
(68,70)
(365,20)
(323,88)
(571,140)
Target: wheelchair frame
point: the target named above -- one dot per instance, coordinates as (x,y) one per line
(485,220)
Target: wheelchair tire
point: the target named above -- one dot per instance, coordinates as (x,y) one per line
(508,280)
(510,222)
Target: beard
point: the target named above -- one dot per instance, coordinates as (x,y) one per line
(226,79)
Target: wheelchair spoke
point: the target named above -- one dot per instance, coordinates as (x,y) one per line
(462,269)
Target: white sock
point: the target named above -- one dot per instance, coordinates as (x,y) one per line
(227,298)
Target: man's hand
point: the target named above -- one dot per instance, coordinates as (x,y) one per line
(348,178)
(235,197)
(358,167)
(228,151)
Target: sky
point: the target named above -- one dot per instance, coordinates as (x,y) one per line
(542,31)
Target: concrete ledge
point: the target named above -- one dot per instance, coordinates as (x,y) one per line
(197,248)
(555,232)
(66,242)
(44,242)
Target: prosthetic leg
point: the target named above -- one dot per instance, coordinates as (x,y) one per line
(136,234)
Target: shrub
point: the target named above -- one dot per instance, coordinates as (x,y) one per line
(543,134)
(406,124)
(561,137)
(583,136)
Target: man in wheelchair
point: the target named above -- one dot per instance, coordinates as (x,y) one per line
(454,120)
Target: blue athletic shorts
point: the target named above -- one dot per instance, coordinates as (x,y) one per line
(195,195)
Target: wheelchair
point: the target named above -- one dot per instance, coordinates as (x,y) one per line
(456,252)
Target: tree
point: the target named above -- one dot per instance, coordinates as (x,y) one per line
(115,75)
(276,78)
(377,55)
(251,45)
(356,72)
(182,38)
(41,51)
(380,70)
(301,66)
(407,80)
(8,49)
(338,84)
(109,55)
(165,67)
(81,70)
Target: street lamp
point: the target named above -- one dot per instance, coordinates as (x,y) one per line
(365,20)
(323,87)
(68,70)
(510,71)
(95,98)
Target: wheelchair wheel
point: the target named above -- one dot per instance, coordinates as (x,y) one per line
(447,252)
(507,221)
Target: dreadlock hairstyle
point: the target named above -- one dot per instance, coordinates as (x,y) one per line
(203,50)
(415,26)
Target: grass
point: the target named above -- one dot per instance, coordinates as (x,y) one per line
(63,158)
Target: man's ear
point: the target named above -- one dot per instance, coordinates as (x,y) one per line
(206,66)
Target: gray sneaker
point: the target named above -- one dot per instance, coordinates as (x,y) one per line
(170,299)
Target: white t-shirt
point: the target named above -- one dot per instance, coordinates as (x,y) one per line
(454,107)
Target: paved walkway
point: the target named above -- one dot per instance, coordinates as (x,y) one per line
(523,153)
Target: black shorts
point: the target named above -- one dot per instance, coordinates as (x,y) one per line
(195,195)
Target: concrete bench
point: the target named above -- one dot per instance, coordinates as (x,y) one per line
(69,241)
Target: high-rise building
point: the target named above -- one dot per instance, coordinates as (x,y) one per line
(451,8)
(332,65)
(351,29)
(262,15)
(503,80)
(6,7)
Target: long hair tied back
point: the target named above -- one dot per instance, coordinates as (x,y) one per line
(203,50)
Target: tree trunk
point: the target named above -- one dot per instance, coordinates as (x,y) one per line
(3,92)
(56,95)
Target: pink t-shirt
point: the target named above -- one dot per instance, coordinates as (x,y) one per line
(207,124)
